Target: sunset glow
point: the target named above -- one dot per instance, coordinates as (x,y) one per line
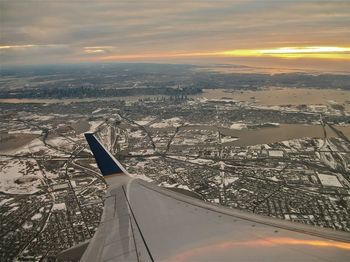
(320,52)
(323,52)
(295,34)
(306,50)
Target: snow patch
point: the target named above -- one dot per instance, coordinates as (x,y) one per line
(27,225)
(25,131)
(4,201)
(59,206)
(171,122)
(230,180)
(275,153)
(227,139)
(238,126)
(37,216)
(94,125)
(19,177)
(137,134)
(97,110)
(329,180)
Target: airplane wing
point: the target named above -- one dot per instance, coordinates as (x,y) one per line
(143,222)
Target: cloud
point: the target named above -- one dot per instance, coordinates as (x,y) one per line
(132,28)
(16,46)
(41,54)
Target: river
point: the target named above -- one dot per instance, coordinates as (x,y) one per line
(267,135)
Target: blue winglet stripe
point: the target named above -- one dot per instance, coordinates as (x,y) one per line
(105,161)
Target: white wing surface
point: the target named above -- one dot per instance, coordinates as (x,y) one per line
(143,222)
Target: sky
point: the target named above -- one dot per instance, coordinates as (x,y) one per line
(252,32)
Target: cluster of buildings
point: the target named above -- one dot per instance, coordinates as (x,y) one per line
(180,144)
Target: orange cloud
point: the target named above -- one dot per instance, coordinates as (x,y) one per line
(15,46)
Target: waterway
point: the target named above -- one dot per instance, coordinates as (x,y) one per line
(275,96)
(73,100)
(270,97)
(268,135)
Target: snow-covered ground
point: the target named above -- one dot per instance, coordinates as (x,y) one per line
(26,131)
(171,122)
(222,100)
(185,141)
(60,142)
(4,201)
(59,206)
(329,180)
(144,121)
(143,152)
(27,225)
(200,161)
(137,134)
(238,126)
(276,153)
(13,179)
(37,216)
(229,180)
(50,174)
(274,178)
(37,146)
(227,139)
(37,117)
(94,125)
(96,111)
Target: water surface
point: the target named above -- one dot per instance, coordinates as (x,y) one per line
(268,135)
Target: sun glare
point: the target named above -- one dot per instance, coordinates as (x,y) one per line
(315,52)
(320,52)
(306,50)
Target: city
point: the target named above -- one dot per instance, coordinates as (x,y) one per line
(53,198)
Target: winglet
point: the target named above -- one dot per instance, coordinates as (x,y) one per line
(106,162)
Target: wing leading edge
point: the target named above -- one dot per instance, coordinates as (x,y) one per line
(143,222)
